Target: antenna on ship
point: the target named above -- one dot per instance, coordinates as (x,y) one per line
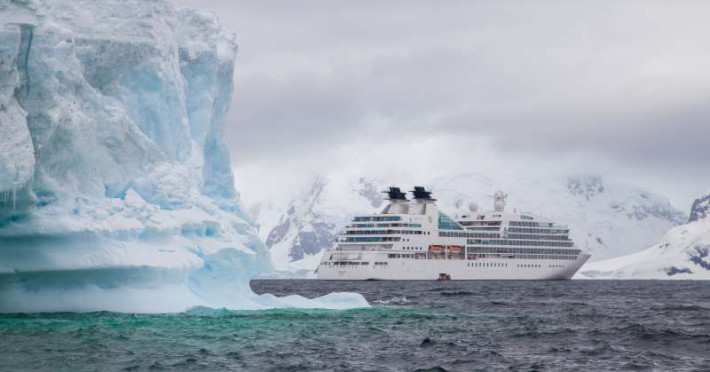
(499,201)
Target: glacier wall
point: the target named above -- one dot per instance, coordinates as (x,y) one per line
(116,190)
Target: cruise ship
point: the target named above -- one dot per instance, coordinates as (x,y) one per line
(414,240)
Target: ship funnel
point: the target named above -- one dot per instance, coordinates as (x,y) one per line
(421,193)
(395,193)
(398,202)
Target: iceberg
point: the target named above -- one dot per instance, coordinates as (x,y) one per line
(116,189)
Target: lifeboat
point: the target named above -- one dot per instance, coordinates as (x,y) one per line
(455,249)
(435,248)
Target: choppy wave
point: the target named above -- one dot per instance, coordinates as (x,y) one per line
(393,301)
(497,327)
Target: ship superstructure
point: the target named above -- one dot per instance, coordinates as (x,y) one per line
(414,240)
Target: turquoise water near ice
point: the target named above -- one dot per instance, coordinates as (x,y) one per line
(454,326)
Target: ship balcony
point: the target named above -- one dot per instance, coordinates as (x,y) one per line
(349,232)
(367,239)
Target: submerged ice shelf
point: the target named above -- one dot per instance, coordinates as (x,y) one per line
(116,190)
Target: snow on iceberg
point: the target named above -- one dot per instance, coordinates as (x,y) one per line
(116,190)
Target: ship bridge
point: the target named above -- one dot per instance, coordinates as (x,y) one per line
(398,220)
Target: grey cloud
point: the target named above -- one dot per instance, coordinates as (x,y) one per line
(624,79)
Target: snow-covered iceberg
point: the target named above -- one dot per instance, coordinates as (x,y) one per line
(682,253)
(116,190)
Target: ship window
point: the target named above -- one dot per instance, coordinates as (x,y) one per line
(446,223)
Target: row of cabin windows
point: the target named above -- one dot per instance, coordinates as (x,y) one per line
(478,256)
(487,264)
(522,256)
(540,237)
(396,224)
(522,250)
(538,231)
(368,239)
(383,232)
(466,234)
(353,263)
(531,243)
(400,255)
(346,263)
(531,224)
(377,218)
(481,223)
(529,265)
(483,228)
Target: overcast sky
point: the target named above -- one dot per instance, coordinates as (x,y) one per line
(616,88)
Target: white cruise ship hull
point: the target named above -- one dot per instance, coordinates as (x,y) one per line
(416,241)
(379,267)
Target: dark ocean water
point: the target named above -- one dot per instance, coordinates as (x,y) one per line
(435,326)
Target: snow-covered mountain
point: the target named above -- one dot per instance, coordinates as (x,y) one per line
(296,233)
(682,253)
(116,189)
(302,231)
(700,208)
(607,219)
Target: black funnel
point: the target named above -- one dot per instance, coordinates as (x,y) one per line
(421,193)
(395,193)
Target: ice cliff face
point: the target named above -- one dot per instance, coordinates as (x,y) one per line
(116,190)
(682,253)
(607,219)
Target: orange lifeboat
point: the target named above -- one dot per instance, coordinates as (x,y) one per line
(435,248)
(455,249)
